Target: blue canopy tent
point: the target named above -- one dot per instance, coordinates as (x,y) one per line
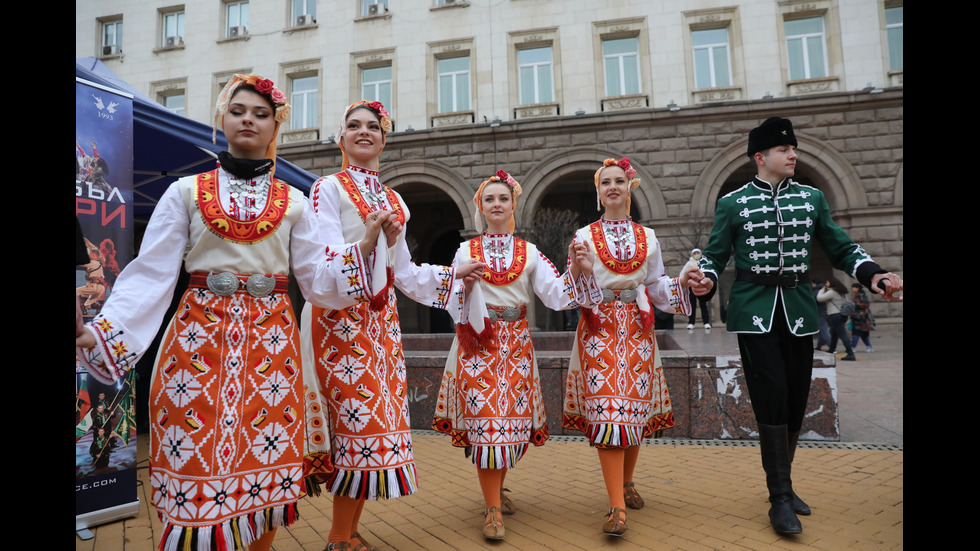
(168,146)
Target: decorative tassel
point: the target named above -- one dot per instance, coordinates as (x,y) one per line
(591,319)
(647,318)
(469,340)
(380,301)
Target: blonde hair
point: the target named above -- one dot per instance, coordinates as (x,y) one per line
(515,191)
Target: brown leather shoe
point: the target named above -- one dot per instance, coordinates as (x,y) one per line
(363,545)
(493,529)
(506,505)
(633,499)
(616,524)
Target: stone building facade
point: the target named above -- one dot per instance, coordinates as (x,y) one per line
(608,78)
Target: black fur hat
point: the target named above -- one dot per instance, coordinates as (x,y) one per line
(772,132)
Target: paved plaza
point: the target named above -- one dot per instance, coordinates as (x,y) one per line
(700,494)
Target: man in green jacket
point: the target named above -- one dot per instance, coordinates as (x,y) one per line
(769,226)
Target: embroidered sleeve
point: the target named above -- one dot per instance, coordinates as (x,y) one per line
(329,276)
(112,356)
(556,291)
(132,315)
(428,284)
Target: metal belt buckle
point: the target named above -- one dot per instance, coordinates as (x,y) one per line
(511,314)
(790,278)
(492,314)
(627,296)
(260,285)
(223,284)
(608,295)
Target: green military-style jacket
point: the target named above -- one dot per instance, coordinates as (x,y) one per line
(773,234)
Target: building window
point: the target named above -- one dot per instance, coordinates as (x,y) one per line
(373,7)
(176,103)
(535,75)
(806,47)
(893,25)
(304,13)
(454,84)
(173,29)
(621,60)
(112,37)
(304,99)
(712,65)
(236,19)
(376,84)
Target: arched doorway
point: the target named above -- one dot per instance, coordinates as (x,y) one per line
(434,231)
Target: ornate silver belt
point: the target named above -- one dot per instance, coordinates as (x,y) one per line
(227,283)
(508,314)
(626,296)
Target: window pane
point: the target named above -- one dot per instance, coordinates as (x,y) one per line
(174,103)
(446,94)
(546,92)
(814,50)
(534,55)
(613,87)
(304,7)
(631,74)
(526,78)
(453,64)
(376,84)
(795,52)
(462,92)
(723,75)
(709,37)
(810,25)
(702,68)
(535,75)
(711,66)
(304,102)
(896,50)
(619,46)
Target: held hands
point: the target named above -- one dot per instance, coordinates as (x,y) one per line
(470,272)
(582,259)
(888,285)
(374,223)
(693,277)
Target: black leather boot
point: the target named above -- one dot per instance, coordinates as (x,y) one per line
(799,505)
(774,441)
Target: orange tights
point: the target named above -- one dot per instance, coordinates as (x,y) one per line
(491,483)
(618,465)
(346,516)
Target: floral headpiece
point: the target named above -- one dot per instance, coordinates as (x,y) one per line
(383,116)
(264,87)
(624,164)
(504,178)
(377,106)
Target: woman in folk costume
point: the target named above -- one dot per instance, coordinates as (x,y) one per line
(356,351)
(490,397)
(227,436)
(615,391)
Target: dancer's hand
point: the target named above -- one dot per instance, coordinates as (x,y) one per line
(373,224)
(888,285)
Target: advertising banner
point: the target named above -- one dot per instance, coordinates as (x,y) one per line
(105,424)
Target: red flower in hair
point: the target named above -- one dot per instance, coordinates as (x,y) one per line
(264,86)
(377,106)
(502,175)
(624,163)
